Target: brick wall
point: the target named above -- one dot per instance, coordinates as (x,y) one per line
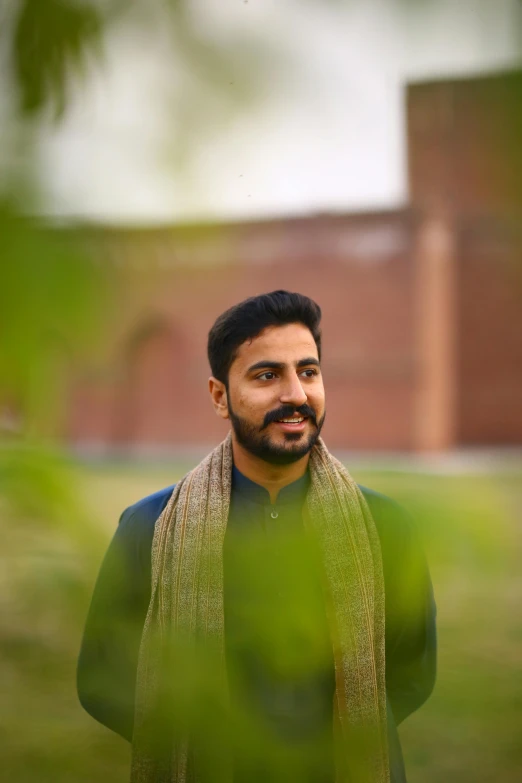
(490,333)
(465,167)
(422,306)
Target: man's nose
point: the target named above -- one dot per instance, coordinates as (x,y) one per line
(293,392)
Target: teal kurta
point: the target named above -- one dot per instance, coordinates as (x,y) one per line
(291,700)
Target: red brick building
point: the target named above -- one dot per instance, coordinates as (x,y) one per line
(422,306)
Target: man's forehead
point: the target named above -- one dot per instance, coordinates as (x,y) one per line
(290,340)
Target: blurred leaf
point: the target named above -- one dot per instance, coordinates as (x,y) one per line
(51,41)
(51,300)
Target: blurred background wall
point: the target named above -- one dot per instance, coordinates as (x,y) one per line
(422,304)
(367,154)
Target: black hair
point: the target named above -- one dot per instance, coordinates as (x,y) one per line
(247,320)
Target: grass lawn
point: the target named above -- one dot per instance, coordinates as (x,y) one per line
(467,731)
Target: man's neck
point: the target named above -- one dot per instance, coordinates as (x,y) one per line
(272,477)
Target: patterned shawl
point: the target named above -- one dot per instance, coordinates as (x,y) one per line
(186,617)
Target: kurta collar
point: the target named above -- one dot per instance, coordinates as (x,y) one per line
(294,493)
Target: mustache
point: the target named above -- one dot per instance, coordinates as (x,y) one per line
(287,411)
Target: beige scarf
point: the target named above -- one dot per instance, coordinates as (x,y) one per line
(186,617)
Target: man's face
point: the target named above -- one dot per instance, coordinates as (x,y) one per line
(277,376)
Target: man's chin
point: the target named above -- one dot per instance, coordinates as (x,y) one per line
(293,448)
(294,437)
(283,456)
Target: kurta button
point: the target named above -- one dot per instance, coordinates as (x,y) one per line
(274,514)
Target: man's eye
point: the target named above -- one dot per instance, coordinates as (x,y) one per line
(266,376)
(309,373)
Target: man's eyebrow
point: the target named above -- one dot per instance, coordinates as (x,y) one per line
(269,365)
(266,365)
(308,361)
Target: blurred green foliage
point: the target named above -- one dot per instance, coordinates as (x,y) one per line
(467,731)
(53,299)
(52,296)
(51,39)
(54,43)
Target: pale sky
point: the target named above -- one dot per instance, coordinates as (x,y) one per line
(327,133)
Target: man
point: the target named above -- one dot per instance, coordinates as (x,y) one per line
(266,618)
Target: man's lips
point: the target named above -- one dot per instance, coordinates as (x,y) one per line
(292,426)
(287,412)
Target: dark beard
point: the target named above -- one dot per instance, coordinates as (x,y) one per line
(259,444)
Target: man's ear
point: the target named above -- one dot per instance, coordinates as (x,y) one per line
(218,393)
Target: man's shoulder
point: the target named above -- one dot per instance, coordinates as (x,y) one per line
(147,510)
(392,521)
(378,501)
